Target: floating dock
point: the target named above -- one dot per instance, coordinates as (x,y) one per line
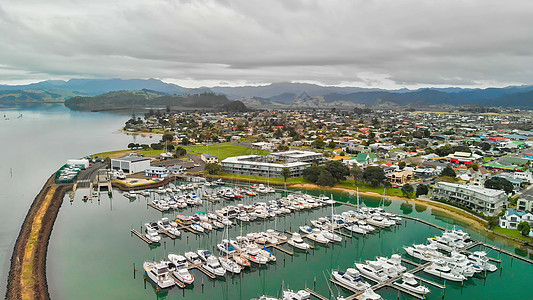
(315,294)
(141,236)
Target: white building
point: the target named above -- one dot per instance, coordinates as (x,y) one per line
(159,172)
(525,203)
(482,200)
(512,218)
(255,165)
(130,165)
(297,156)
(208,158)
(263,146)
(526,176)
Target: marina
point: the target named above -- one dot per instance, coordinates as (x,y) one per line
(286,256)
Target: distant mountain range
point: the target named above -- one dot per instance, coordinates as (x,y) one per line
(281,95)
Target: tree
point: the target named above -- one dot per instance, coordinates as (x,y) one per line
(337,169)
(474,167)
(131,145)
(448,171)
(332,144)
(167,137)
(407,190)
(285,173)
(180,151)
(156,146)
(311,174)
(421,189)
(524,228)
(325,179)
(318,143)
(357,173)
(499,183)
(214,169)
(401,164)
(374,173)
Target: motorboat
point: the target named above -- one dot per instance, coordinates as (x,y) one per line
(374,272)
(164,224)
(152,234)
(268,254)
(218,225)
(159,274)
(423,252)
(229,265)
(481,259)
(445,243)
(226,247)
(193,258)
(204,254)
(411,284)
(306,229)
(279,236)
(317,236)
(213,266)
(353,227)
(243,262)
(331,236)
(441,269)
(300,295)
(351,278)
(197,227)
(462,263)
(297,242)
(181,273)
(253,254)
(382,265)
(206,226)
(394,261)
(369,294)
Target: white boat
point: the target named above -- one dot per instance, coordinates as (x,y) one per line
(152,234)
(440,269)
(252,253)
(206,226)
(193,258)
(164,224)
(394,261)
(243,262)
(297,242)
(481,259)
(353,227)
(229,265)
(268,254)
(226,247)
(445,243)
(375,274)
(197,227)
(351,278)
(300,295)
(213,266)
(369,294)
(316,236)
(203,254)
(181,273)
(277,235)
(409,283)
(331,236)
(423,252)
(159,274)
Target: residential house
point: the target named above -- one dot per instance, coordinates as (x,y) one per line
(482,200)
(512,218)
(208,158)
(401,177)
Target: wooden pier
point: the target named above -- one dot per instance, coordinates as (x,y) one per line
(315,294)
(155,207)
(170,235)
(440,286)
(141,236)
(207,273)
(186,227)
(281,249)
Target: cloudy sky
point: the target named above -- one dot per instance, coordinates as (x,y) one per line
(386,44)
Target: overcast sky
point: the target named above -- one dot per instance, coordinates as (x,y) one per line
(386,44)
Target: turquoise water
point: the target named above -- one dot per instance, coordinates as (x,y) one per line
(92,255)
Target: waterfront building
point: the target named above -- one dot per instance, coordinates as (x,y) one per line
(482,200)
(400,177)
(257,165)
(159,172)
(130,165)
(512,218)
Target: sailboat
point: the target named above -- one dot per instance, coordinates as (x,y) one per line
(226,263)
(330,235)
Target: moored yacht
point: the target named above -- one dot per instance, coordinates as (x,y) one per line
(213,266)
(439,268)
(351,278)
(409,283)
(159,274)
(297,242)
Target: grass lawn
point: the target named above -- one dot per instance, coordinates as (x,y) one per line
(224,150)
(511,232)
(294,180)
(112,154)
(365,187)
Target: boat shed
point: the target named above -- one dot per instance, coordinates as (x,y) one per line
(130,165)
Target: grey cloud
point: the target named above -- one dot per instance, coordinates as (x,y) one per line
(367,43)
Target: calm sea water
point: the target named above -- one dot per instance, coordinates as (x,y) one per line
(92,253)
(34,146)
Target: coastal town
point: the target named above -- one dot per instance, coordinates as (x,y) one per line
(478,161)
